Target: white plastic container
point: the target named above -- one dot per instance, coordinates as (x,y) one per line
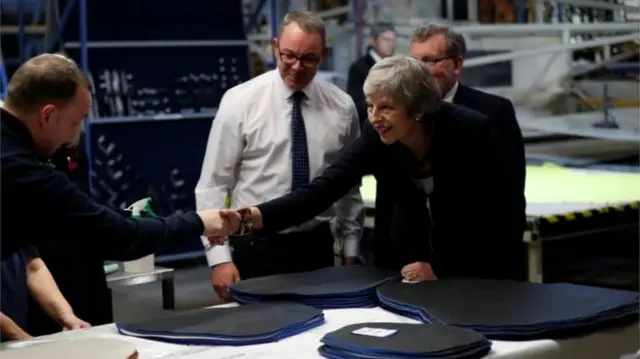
(147,263)
(142,265)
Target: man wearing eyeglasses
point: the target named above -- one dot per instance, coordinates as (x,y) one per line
(274,134)
(443,50)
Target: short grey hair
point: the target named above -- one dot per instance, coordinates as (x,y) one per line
(307,21)
(456,45)
(407,81)
(46,77)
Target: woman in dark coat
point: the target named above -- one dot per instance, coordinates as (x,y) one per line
(79,274)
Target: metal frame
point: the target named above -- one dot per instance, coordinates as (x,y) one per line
(165,275)
(255,16)
(532,237)
(3,76)
(598,4)
(274,17)
(54,39)
(603,41)
(515,30)
(534,241)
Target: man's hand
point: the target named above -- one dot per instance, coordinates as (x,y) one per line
(222,276)
(418,272)
(72,322)
(11,330)
(219,224)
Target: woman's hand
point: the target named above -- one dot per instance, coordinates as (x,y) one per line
(418,272)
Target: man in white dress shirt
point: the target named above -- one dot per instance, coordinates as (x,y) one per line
(271,135)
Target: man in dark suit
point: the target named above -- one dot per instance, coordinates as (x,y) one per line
(446,173)
(443,51)
(383,44)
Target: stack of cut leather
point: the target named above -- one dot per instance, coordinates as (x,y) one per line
(245,325)
(327,288)
(404,341)
(509,310)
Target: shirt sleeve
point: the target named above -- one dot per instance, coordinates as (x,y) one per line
(56,211)
(217,178)
(350,208)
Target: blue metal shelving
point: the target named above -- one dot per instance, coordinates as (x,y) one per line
(3,77)
(142,139)
(274,17)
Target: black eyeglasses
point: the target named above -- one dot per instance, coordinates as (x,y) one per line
(305,60)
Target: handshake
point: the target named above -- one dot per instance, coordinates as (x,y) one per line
(225,222)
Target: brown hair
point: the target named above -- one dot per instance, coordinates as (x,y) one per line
(308,22)
(46,77)
(455,42)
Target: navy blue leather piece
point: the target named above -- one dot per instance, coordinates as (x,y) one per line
(327,288)
(512,310)
(404,341)
(245,325)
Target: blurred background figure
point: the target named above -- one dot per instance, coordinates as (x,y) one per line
(383,44)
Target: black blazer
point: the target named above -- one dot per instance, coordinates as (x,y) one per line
(503,116)
(509,136)
(474,210)
(358,72)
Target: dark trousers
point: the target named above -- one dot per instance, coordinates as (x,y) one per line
(256,256)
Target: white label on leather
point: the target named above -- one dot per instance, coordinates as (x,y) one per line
(375,332)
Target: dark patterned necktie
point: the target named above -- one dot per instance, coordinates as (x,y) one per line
(299,150)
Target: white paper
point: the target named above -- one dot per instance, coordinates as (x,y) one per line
(375,332)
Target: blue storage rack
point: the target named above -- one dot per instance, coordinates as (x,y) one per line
(158,71)
(158,76)
(3,77)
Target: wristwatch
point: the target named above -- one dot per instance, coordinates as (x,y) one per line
(246,224)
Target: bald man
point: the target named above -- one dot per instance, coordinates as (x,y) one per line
(44,107)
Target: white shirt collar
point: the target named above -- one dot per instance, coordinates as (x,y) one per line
(451,94)
(287,91)
(374,55)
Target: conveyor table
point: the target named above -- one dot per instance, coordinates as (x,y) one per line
(562,203)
